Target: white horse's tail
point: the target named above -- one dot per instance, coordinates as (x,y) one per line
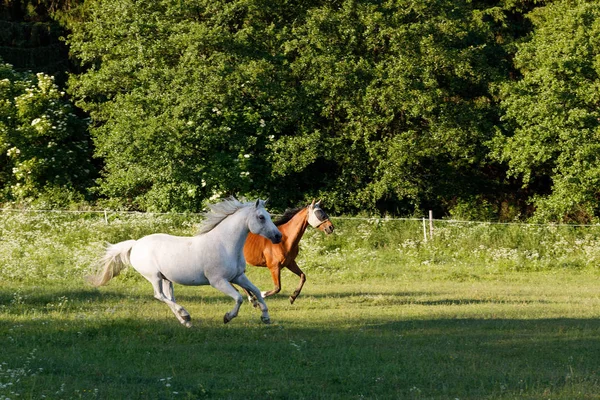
(114,261)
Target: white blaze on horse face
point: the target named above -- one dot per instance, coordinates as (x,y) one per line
(260,223)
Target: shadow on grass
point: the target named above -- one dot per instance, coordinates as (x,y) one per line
(103,302)
(415,298)
(17,300)
(442,358)
(37,297)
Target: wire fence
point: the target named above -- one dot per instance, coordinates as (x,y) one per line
(429,219)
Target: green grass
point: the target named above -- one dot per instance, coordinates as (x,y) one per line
(474,314)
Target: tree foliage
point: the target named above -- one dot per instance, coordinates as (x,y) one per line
(372,105)
(402,92)
(475,109)
(551,138)
(185,98)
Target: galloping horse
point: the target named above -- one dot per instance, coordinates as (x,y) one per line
(214,256)
(259,252)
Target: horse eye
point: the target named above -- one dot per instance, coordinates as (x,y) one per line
(261,217)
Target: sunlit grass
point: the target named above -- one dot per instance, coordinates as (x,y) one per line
(470,315)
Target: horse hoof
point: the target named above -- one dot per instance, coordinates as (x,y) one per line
(226,318)
(265,320)
(292,299)
(187,324)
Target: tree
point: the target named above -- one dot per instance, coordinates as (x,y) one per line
(551,136)
(184,97)
(374,106)
(43,150)
(399,93)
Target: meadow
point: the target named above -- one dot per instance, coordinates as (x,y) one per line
(482,311)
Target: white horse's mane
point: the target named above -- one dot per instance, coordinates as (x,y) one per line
(218,212)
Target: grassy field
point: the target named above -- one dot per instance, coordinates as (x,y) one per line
(481,312)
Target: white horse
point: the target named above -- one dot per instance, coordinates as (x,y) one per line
(213,257)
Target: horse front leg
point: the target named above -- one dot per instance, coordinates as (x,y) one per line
(276,276)
(245,283)
(229,290)
(275,270)
(251,298)
(296,270)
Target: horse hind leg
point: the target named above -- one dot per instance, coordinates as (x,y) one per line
(296,270)
(167,287)
(251,298)
(163,291)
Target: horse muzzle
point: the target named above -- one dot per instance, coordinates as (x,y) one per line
(276,238)
(326,227)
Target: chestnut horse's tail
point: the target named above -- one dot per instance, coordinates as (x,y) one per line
(114,261)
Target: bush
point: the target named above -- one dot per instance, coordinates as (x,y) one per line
(44,150)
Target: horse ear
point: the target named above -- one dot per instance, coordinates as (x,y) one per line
(267,201)
(319,203)
(257,203)
(313,203)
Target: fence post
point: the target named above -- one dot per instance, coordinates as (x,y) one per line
(431,224)
(424,230)
(105,217)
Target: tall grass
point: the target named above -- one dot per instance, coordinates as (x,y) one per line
(480,312)
(51,246)
(458,250)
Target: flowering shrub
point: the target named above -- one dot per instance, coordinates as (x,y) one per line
(44,149)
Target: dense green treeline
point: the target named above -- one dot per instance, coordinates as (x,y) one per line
(476,109)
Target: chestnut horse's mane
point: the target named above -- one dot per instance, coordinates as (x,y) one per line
(288,215)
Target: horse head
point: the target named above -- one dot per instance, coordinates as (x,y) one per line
(317,218)
(259,223)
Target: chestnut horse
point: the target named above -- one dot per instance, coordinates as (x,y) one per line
(260,252)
